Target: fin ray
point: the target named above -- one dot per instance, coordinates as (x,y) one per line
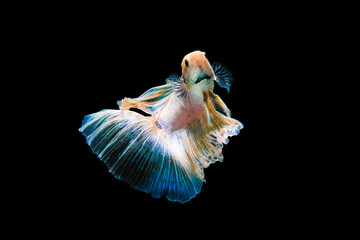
(137,152)
(179,87)
(223,76)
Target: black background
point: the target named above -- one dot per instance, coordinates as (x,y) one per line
(94,61)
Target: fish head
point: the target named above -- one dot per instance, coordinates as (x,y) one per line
(196,70)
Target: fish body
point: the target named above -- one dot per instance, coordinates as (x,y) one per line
(166,153)
(180,112)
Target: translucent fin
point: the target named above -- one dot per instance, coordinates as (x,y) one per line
(218,104)
(179,87)
(223,76)
(209,134)
(173,78)
(152,100)
(139,153)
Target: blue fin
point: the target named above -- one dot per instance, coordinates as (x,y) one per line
(137,152)
(179,86)
(173,78)
(223,76)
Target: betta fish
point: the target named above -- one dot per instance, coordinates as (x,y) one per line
(166,152)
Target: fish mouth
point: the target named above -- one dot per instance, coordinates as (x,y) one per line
(202,77)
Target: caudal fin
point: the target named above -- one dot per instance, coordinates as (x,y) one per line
(139,153)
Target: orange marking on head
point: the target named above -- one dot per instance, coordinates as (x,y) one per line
(195,60)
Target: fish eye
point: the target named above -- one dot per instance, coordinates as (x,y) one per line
(186,63)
